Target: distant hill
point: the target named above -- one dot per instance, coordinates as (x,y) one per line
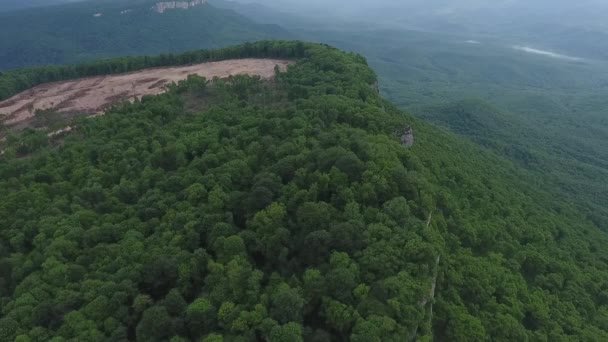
(568,27)
(85,31)
(268,14)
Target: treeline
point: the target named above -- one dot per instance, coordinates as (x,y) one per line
(15,81)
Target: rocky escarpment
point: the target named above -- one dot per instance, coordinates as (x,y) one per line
(405,136)
(161,7)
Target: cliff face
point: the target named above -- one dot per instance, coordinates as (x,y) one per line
(161,7)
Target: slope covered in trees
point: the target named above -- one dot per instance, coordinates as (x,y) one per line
(89,30)
(243,210)
(546,114)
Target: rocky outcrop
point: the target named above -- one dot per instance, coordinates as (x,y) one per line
(161,7)
(376,87)
(407,138)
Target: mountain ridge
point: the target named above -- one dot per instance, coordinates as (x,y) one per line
(85,31)
(298,195)
(304,206)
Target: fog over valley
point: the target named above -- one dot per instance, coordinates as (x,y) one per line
(545,53)
(563,27)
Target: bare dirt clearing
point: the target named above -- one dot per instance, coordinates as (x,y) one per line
(93,94)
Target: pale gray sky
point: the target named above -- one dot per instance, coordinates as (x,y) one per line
(584,14)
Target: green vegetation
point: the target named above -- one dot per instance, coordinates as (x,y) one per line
(287,210)
(71,33)
(547,115)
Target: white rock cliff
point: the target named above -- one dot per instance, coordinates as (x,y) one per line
(161,7)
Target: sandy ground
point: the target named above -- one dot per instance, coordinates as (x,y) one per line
(93,94)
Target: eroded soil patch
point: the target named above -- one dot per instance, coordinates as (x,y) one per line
(93,94)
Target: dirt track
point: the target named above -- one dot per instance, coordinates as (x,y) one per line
(93,94)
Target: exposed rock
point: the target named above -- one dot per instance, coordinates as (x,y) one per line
(161,7)
(407,138)
(60,132)
(376,87)
(126,11)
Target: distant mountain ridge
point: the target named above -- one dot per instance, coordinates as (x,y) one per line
(85,31)
(571,28)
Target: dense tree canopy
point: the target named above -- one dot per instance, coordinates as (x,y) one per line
(548,115)
(285,210)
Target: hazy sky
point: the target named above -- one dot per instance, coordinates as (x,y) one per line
(433,6)
(584,14)
(441,6)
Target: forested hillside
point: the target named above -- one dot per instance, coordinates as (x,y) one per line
(546,114)
(286,210)
(90,30)
(544,111)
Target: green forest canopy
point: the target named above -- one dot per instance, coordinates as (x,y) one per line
(547,115)
(285,210)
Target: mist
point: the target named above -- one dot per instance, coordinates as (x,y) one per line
(581,13)
(561,28)
(546,53)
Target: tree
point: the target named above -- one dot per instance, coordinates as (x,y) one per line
(8,329)
(342,279)
(318,244)
(290,332)
(159,276)
(230,247)
(375,329)
(462,326)
(338,317)
(200,317)
(351,165)
(155,325)
(174,303)
(213,338)
(314,216)
(286,304)
(272,236)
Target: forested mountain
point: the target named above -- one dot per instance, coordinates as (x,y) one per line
(543,110)
(91,30)
(285,210)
